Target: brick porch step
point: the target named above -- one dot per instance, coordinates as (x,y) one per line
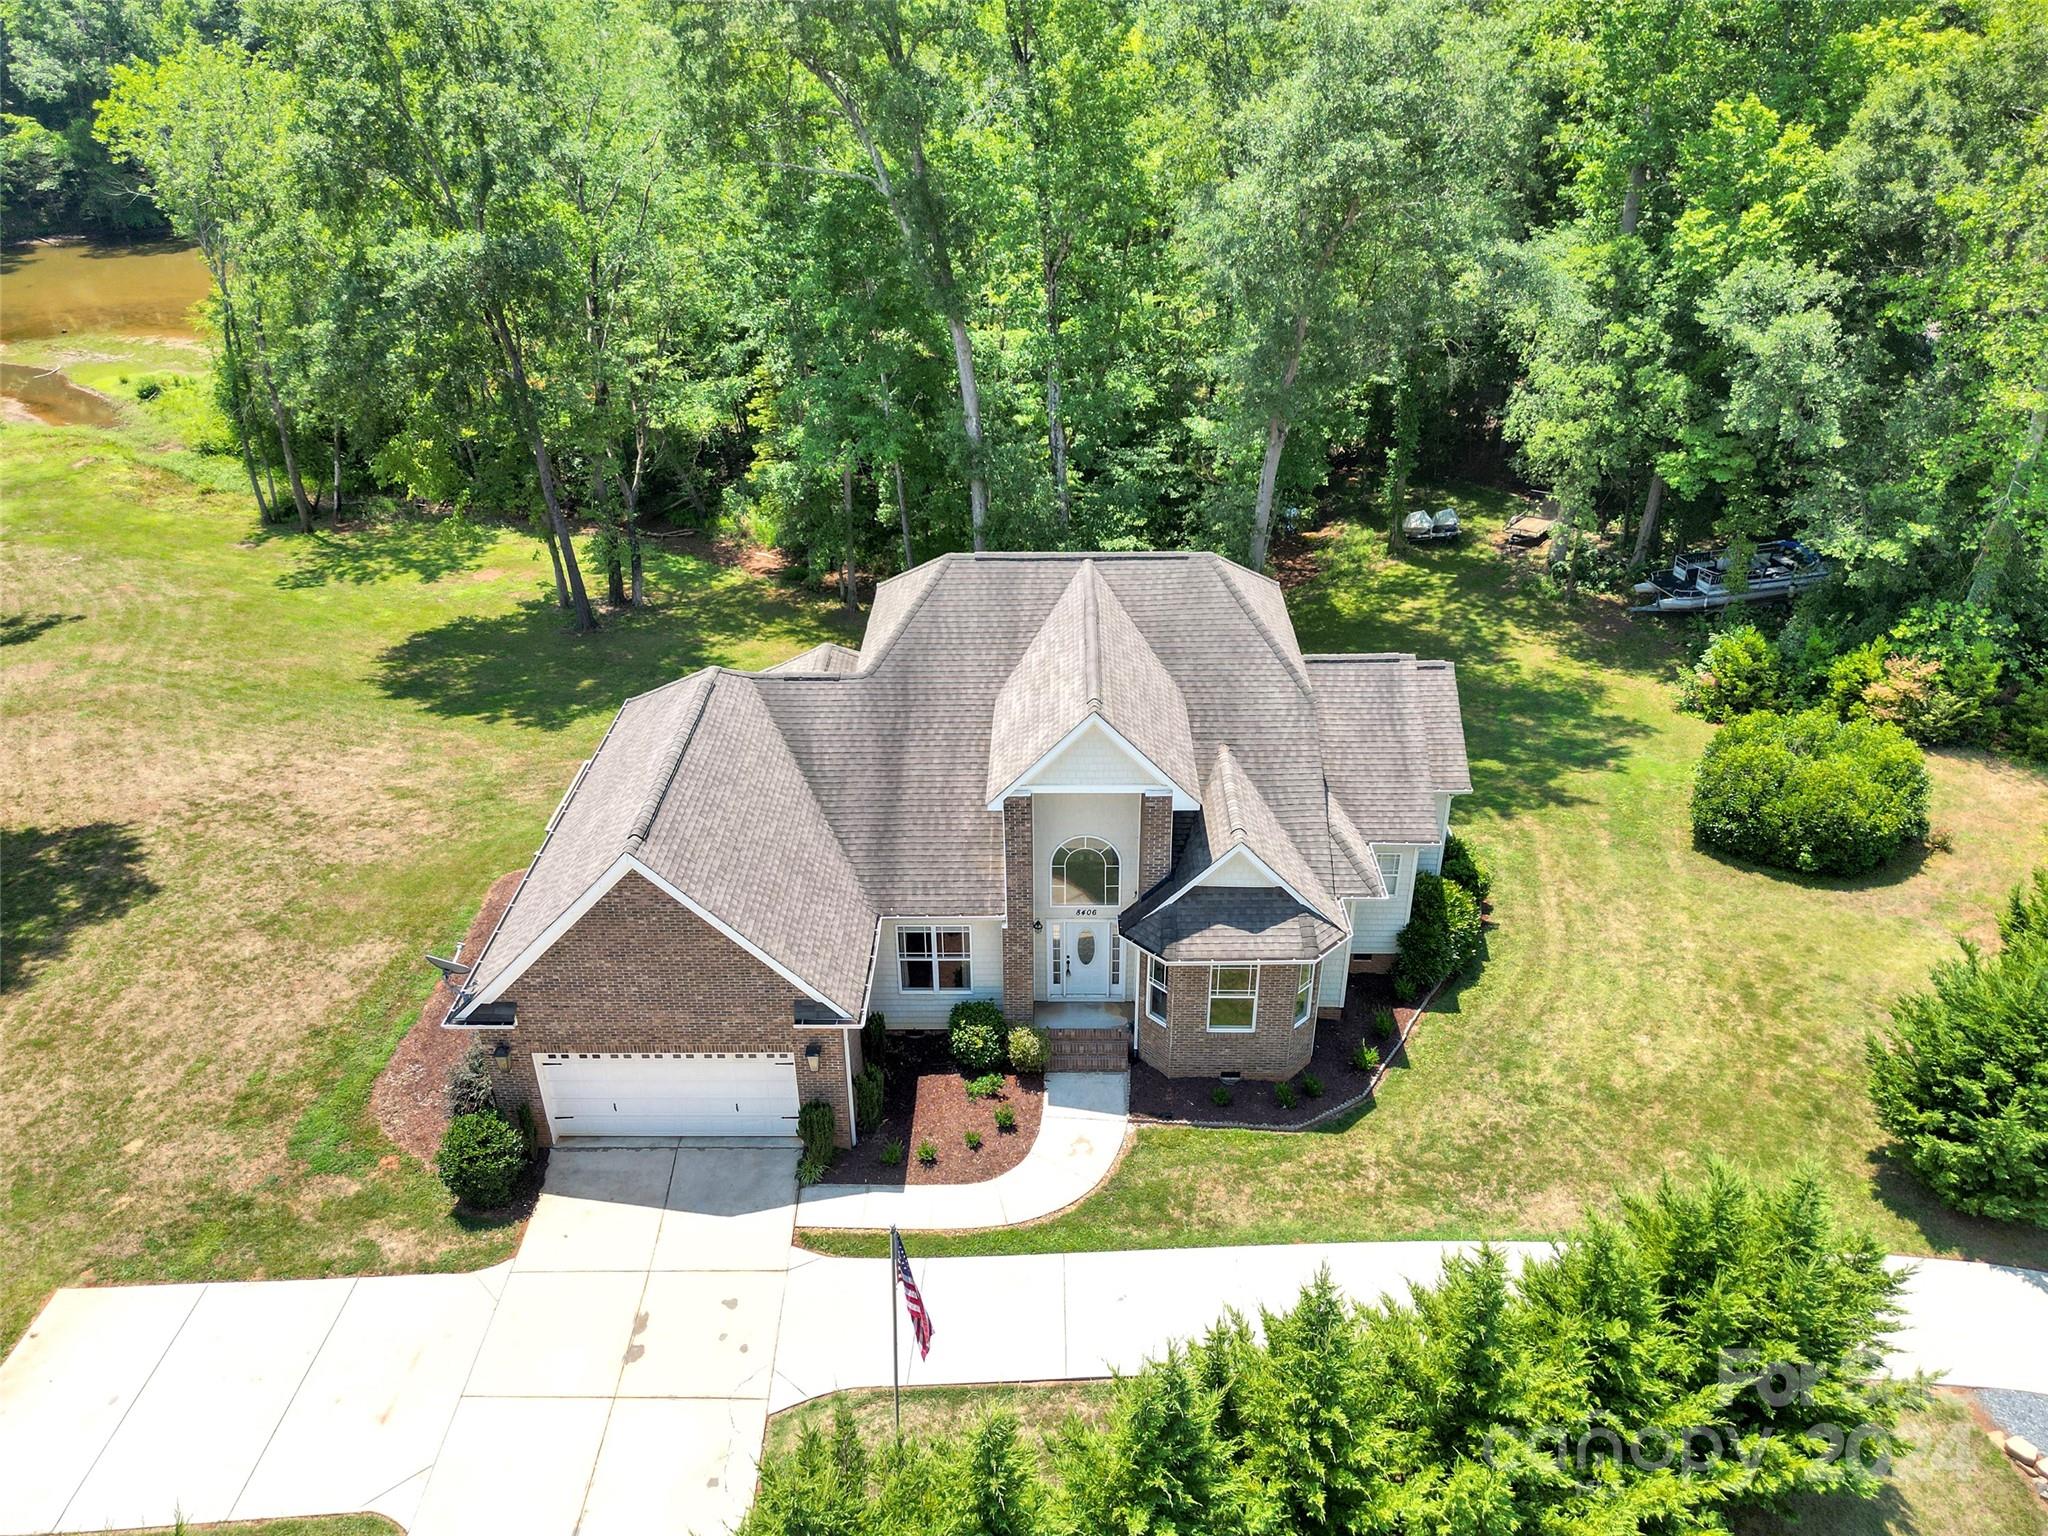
(1087,1050)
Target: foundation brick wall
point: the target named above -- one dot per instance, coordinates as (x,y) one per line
(1020,962)
(1186,1047)
(641,972)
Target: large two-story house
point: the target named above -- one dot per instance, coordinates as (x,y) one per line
(1108,788)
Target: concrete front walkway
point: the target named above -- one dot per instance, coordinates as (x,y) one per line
(1080,1134)
(613,1378)
(1064,1316)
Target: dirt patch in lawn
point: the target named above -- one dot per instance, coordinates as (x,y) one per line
(1371,1016)
(410,1099)
(925,1099)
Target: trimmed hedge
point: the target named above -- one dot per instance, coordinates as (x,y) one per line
(481,1160)
(814,1129)
(1443,936)
(976,1033)
(1463,867)
(1811,793)
(1029,1048)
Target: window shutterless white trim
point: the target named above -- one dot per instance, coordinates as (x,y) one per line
(1304,995)
(1112,873)
(1155,981)
(1223,988)
(1392,865)
(947,949)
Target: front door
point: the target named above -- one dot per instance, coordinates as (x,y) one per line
(1079,956)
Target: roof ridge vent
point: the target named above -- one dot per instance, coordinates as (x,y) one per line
(643,823)
(1091,635)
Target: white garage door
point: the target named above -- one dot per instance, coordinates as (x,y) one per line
(683,1094)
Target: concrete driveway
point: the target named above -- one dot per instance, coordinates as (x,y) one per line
(612,1378)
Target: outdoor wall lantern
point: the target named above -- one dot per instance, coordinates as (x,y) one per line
(502,1051)
(1037,926)
(812,1055)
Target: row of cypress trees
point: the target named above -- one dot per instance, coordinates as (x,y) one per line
(1705,1352)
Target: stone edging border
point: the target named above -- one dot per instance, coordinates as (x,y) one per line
(1321,1117)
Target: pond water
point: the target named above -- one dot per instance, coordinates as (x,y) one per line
(78,288)
(146,289)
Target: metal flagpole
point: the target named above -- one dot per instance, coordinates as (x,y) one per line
(895,1354)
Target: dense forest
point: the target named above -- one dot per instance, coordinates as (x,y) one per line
(874,279)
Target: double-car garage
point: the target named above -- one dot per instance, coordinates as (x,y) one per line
(679,1093)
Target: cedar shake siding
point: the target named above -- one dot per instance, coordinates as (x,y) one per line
(641,972)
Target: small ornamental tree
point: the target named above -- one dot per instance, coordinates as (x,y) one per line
(1739,673)
(1443,936)
(1811,793)
(1961,1076)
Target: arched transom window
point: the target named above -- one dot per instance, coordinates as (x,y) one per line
(1085,873)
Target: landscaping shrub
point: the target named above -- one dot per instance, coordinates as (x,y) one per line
(2024,727)
(481,1159)
(809,1171)
(1283,1095)
(973,1140)
(1382,1023)
(868,1089)
(927,1153)
(975,1033)
(1311,1085)
(1029,1049)
(874,1038)
(987,1087)
(469,1082)
(1811,793)
(1365,1058)
(892,1152)
(1492,1400)
(814,1129)
(1442,939)
(1961,1077)
(1006,1118)
(1462,867)
(1739,673)
(1220,1096)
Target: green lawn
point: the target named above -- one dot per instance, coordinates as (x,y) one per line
(250,777)
(1949,1481)
(1643,1002)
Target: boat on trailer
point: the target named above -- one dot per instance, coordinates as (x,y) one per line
(1698,582)
(1420,527)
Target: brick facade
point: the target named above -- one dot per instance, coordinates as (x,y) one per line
(1155,842)
(1020,961)
(1185,1046)
(641,972)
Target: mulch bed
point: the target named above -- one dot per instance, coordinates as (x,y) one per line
(1162,1100)
(925,1098)
(410,1099)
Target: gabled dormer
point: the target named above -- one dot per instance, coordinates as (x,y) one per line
(1090,707)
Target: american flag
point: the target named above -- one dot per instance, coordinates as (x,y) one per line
(920,1320)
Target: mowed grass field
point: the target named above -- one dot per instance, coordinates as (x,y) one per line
(1643,1003)
(250,777)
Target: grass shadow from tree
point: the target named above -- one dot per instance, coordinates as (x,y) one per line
(405,547)
(528,667)
(21,628)
(56,880)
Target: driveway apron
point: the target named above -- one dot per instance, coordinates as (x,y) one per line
(612,1378)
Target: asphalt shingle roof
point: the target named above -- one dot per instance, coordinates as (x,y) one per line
(798,804)
(1234,922)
